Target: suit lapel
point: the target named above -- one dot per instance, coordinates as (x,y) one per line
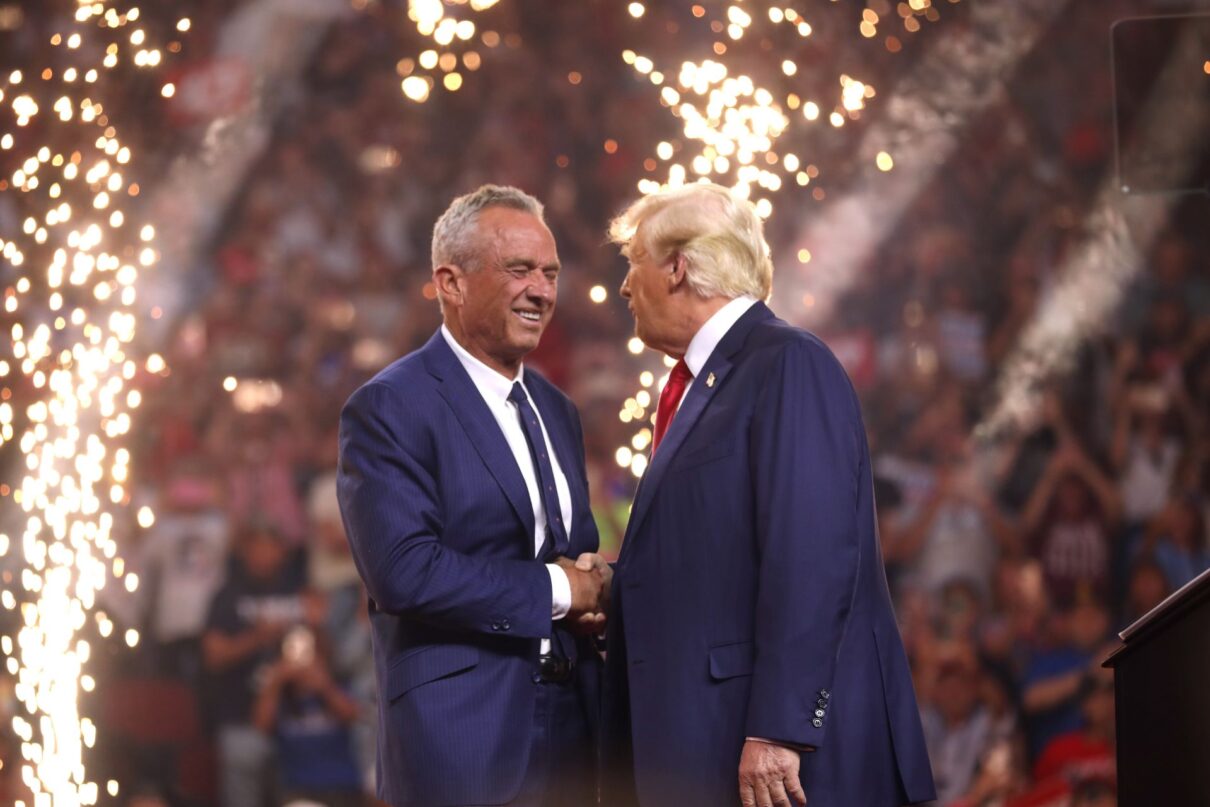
(480,425)
(696,400)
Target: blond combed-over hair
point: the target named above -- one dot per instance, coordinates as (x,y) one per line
(720,235)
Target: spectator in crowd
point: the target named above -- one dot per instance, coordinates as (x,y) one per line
(1144,451)
(1146,587)
(958,729)
(183,563)
(310,717)
(1087,752)
(1070,520)
(248,619)
(1176,537)
(958,531)
(1052,682)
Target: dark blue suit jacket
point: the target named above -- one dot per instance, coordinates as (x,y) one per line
(750,598)
(442,530)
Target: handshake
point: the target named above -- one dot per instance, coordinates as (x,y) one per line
(590,577)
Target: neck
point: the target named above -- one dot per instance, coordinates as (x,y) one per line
(696,312)
(505,367)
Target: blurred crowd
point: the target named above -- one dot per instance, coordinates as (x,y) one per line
(1013,561)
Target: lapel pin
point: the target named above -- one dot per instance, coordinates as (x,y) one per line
(710,380)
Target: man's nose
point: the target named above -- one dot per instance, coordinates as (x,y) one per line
(543,288)
(625,289)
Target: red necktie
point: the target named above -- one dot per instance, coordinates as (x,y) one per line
(670,397)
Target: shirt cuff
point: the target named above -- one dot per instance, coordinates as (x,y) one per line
(560,592)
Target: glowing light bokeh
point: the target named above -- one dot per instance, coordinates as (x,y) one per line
(77,262)
(439,20)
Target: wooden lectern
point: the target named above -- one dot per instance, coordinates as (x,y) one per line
(1162,693)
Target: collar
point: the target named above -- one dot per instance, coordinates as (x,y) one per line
(710,334)
(491,385)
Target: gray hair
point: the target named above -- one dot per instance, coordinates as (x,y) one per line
(455,238)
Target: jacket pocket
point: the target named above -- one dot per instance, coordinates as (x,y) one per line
(427,664)
(731,660)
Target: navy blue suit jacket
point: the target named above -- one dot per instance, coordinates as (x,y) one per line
(442,530)
(750,598)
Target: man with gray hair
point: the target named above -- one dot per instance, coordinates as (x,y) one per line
(753,655)
(463,491)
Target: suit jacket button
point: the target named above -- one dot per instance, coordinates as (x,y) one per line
(823,693)
(819,712)
(536,678)
(817,723)
(505,625)
(821,703)
(495,626)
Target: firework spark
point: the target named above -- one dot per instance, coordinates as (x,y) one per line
(75,267)
(736,129)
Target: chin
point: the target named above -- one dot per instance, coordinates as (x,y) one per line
(643,336)
(526,343)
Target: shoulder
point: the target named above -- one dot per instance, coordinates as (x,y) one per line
(792,344)
(400,382)
(399,406)
(405,373)
(792,356)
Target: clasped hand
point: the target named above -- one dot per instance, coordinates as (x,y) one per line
(590,577)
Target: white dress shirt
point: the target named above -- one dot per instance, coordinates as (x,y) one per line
(709,335)
(495,389)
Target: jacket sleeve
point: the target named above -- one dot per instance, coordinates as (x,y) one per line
(806,459)
(388,499)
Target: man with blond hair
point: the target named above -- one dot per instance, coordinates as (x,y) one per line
(463,491)
(753,654)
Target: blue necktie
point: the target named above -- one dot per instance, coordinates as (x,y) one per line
(547,491)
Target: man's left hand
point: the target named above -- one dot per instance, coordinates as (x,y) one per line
(768,776)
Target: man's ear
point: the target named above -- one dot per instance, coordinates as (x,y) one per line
(449,282)
(678,266)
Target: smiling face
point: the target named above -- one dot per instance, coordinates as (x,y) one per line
(499,308)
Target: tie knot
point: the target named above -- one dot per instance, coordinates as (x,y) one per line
(680,372)
(517,394)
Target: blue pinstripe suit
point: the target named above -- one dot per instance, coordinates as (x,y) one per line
(750,598)
(441,527)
